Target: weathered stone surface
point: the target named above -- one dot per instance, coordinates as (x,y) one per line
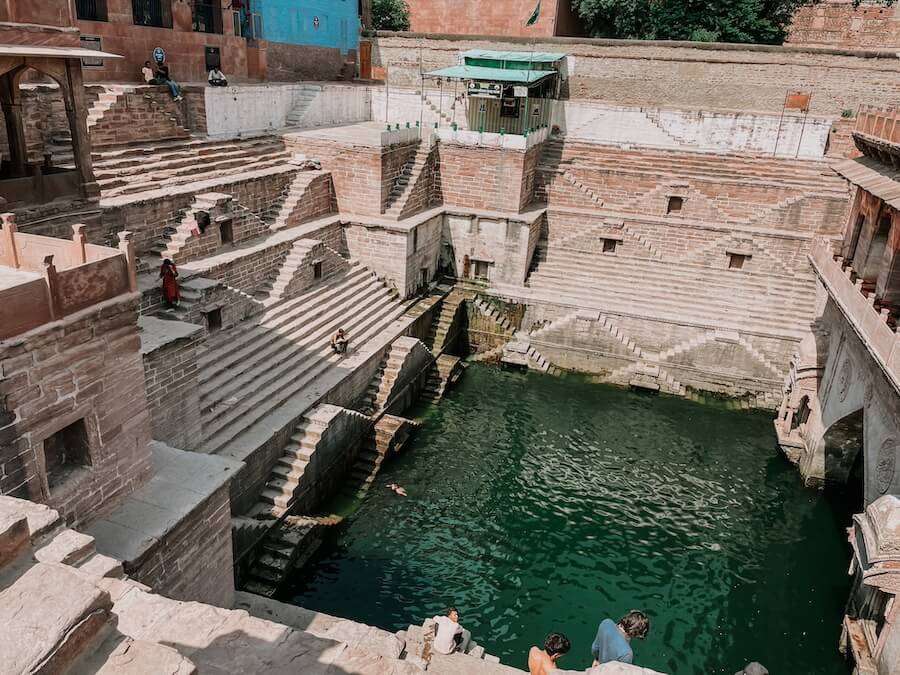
(366,638)
(41,518)
(14,537)
(49,615)
(68,547)
(138,657)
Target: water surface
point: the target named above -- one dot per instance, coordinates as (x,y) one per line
(540,504)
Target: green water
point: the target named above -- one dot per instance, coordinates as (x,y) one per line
(541,504)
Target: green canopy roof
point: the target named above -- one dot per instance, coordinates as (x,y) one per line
(526,57)
(492,74)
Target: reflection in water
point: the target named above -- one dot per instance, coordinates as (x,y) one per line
(540,504)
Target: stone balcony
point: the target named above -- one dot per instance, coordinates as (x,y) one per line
(871,325)
(877,134)
(43,279)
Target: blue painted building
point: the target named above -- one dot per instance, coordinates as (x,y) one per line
(332,24)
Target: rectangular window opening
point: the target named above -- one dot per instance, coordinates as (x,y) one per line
(213,319)
(423,276)
(736,261)
(481,270)
(609,245)
(207,16)
(415,240)
(91,10)
(65,453)
(157,13)
(226,231)
(317,269)
(674,205)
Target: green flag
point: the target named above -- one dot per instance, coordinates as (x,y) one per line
(535,15)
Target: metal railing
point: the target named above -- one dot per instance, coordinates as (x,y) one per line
(90,10)
(879,123)
(207,16)
(157,13)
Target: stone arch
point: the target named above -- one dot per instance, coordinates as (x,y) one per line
(843,443)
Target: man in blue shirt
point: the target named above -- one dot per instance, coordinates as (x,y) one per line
(613,639)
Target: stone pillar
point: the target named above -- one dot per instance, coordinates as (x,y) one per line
(50,278)
(76,112)
(11,255)
(15,128)
(79,250)
(126,245)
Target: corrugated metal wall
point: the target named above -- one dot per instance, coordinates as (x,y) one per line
(484,115)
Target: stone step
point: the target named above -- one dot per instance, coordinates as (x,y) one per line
(283,358)
(253,410)
(68,547)
(49,616)
(231,366)
(122,655)
(221,353)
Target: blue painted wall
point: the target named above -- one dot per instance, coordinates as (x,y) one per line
(293,22)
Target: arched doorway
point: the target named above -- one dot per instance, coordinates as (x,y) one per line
(844,449)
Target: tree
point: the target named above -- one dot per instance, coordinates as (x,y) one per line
(760,21)
(390,15)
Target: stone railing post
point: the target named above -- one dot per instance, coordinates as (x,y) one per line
(126,245)
(10,256)
(50,278)
(79,250)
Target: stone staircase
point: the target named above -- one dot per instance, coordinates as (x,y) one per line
(302,102)
(286,546)
(181,243)
(143,167)
(419,641)
(251,370)
(297,274)
(292,197)
(444,372)
(443,322)
(688,293)
(122,114)
(67,610)
(388,438)
(404,183)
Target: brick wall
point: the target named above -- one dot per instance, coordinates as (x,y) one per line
(85,367)
(761,192)
(424,255)
(393,159)
(148,218)
(381,249)
(475,17)
(170,374)
(426,190)
(292,63)
(507,244)
(147,115)
(837,23)
(355,170)
(675,74)
(193,561)
(482,178)
(318,200)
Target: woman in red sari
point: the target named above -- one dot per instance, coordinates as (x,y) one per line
(169,275)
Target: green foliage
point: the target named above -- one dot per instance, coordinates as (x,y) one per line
(759,21)
(390,15)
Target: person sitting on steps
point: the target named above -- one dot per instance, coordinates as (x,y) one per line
(217,78)
(543,661)
(449,636)
(339,342)
(162,76)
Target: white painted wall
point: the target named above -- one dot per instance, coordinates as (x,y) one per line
(248,110)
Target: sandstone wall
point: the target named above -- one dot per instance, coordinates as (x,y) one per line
(478,177)
(674,74)
(170,374)
(837,23)
(193,560)
(86,367)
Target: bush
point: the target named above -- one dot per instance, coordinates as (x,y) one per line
(390,15)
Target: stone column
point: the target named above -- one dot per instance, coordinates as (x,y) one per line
(50,278)
(11,256)
(15,128)
(126,245)
(79,250)
(76,112)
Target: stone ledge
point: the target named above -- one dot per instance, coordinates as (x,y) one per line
(182,482)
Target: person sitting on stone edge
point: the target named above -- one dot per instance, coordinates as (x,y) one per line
(613,641)
(449,635)
(163,77)
(339,342)
(543,661)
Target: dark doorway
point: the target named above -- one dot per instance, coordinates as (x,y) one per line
(65,452)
